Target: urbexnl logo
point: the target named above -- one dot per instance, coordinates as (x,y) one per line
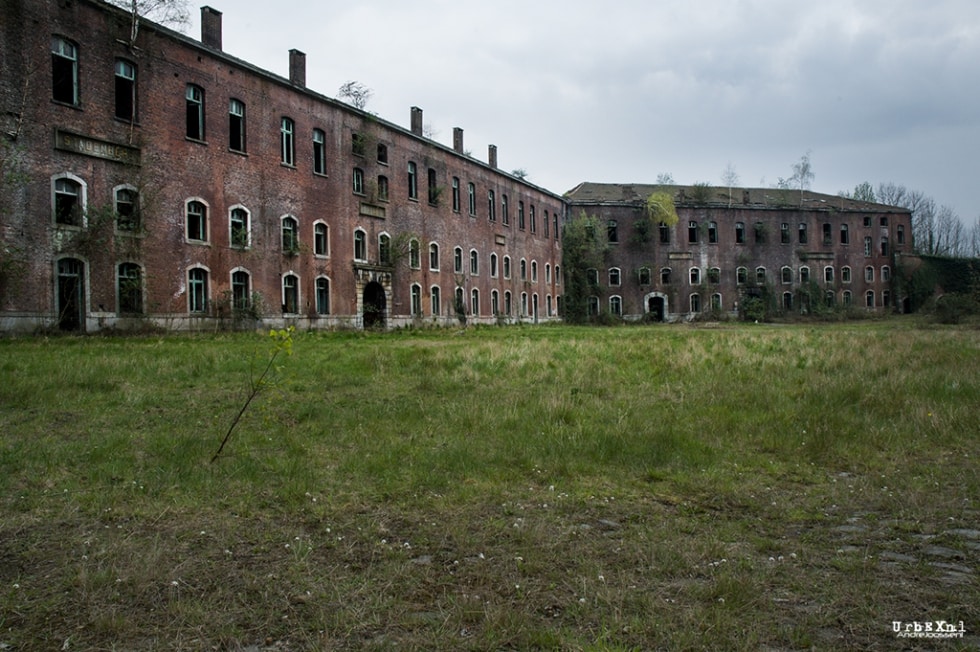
(929,629)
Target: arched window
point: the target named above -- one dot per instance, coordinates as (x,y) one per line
(290,294)
(360,245)
(68,195)
(433,257)
(196,218)
(290,235)
(241,290)
(321,239)
(322,295)
(240,230)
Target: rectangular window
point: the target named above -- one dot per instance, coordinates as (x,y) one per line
(382,188)
(534,221)
(195,112)
(64,71)
(433,187)
(471,194)
(290,294)
(455,194)
(358,181)
(505,209)
(784,233)
(413,180)
(236,125)
(802,233)
(319,152)
(357,144)
(491,206)
(288,144)
(125,90)
(520,215)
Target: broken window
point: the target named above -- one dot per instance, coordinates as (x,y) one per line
(290,235)
(68,202)
(197,221)
(413,181)
(125,90)
(615,276)
(130,288)
(195,112)
(236,125)
(692,232)
(127,209)
(319,152)
(414,254)
(739,233)
(287,147)
(612,231)
(384,249)
(240,231)
(358,181)
(197,290)
(416,300)
(64,71)
(241,290)
(290,294)
(845,274)
(433,257)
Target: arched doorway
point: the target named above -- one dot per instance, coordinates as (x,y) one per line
(657,307)
(374,305)
(71,294)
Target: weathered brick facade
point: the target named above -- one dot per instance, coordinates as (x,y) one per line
(789,247)
(165,181)
(254,196)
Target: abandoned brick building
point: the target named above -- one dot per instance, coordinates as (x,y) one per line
(792,248)
(157,179)
(165,180)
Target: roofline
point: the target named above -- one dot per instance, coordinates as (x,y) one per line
(146,24)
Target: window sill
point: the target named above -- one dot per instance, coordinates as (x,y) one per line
(204,243)
(239,152)
(288,166)
(195,140)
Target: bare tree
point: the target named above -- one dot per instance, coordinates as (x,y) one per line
(864,191)
(973,240)
(173,13)
(729,177)
(665,179)
(937,230)
(355,93)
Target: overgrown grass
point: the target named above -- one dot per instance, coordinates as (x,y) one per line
(740,487)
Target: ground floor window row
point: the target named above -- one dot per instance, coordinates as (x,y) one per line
(506,304)
(788,301)
(743,276)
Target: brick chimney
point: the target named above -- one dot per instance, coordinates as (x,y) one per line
(416,121)
(297,68)
(211,27)
(458,139)
(492,156)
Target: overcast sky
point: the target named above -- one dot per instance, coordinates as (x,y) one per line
(624,90)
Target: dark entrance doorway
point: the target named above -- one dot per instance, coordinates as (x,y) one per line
(374,306)
(655,306)
(71,294)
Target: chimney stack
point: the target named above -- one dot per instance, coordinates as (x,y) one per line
(297,68)
(416,121)
(211,27)
(458,139)
(492,157)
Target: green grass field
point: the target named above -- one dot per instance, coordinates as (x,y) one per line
(736,487)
